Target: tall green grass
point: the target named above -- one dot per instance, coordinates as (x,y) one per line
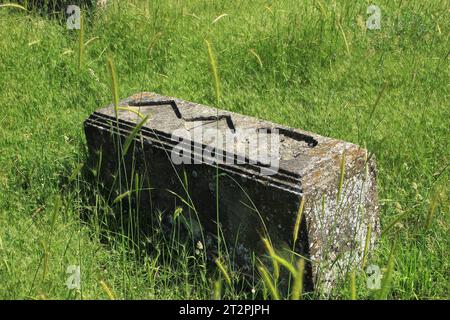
(311,65)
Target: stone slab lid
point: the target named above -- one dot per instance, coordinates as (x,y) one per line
(169,119)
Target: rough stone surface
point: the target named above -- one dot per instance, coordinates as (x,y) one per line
(252,205)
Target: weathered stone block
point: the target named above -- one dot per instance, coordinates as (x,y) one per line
(260,185)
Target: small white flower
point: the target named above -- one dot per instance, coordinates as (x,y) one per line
(199,245)
(92,74)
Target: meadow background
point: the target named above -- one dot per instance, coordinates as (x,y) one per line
(306,64)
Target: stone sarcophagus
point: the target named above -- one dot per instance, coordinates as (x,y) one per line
(243,178)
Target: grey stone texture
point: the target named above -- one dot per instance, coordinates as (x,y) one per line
(252,203)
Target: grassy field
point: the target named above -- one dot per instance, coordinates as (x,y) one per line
(306,64)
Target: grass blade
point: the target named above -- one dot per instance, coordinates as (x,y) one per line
(132,110)
(268,282)
(432,209)
(223,271)
(114,85)
(298,220)
(344,37)
(271,251)
(121,196)
(214,70)
(387,277)
(13,5)
(219,17)
(394,222)
(353,286)
(285,264)
(297,288)
(366,245)
(81,43)
(253,52)
(217,290)
(107,290)
(341,177)
(132,135)
(76,171)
